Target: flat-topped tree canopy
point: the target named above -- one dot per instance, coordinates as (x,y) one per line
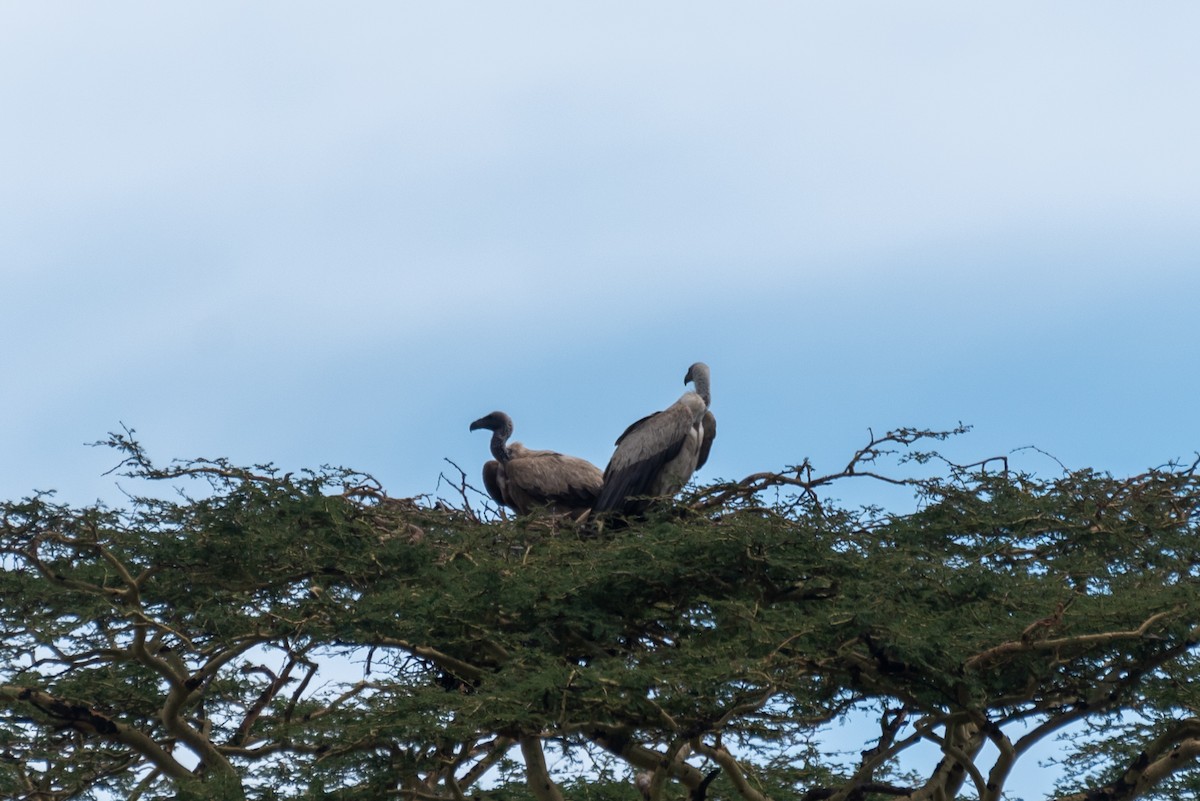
(279,636)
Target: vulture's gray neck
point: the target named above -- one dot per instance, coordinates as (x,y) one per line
(500,442)
(700,380)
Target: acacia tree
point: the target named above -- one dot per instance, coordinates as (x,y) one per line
(277,636)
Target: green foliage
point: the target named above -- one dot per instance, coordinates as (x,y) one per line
(282,636)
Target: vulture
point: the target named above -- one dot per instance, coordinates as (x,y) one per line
(657,455)
(524,480)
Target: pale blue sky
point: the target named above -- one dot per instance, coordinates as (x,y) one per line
(309,234)
(302,234)
(329,233)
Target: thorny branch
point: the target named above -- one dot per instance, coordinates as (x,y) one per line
(464,489)
(802,478)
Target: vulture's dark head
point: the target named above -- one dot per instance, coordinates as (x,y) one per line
(496,421)
(698,376)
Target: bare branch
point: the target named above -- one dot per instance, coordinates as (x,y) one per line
(732,769)
(540,783)
(1076,642)
(1176,749)
(88,721)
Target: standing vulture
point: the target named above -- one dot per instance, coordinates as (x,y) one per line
(657,455)
(524,480)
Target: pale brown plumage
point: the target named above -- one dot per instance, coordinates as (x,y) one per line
(525,480)
(657,455)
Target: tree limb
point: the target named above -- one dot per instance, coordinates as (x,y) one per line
(538,777)
(89,722)
(732,769)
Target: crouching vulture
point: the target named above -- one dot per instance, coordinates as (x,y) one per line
(524,480)
(657,455)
